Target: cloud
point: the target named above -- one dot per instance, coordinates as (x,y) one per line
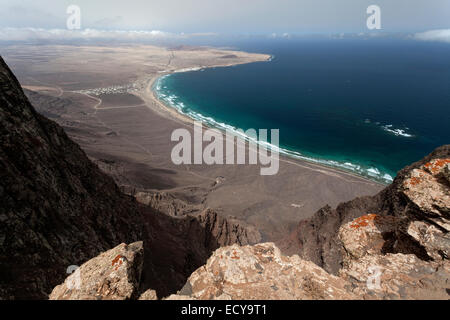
(29,34)
(36,34)
(283,35)
(442,35)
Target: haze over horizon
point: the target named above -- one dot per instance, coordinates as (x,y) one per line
(231,17)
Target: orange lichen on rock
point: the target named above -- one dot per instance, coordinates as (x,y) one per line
(235,255)
(117,259)
(435,166)
(363,221)
(418,177)
(414,181)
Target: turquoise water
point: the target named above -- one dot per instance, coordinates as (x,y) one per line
(366,106)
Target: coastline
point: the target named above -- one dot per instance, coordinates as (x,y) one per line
(133,145)
(169,111)
(173,114)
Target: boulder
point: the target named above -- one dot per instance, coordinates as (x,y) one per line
(113,275)
(149,295)
(262,272)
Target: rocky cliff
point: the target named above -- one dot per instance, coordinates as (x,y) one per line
(418,198)
(176,247)
(391,246)
(58,209)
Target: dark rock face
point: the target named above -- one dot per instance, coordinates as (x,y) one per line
(57,208)
(418,198)
(178,246)
(227,231)
(315,239)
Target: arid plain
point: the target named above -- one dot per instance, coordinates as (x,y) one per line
(102,96)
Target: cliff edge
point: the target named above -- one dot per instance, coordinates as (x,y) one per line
(59,210)
(391,246)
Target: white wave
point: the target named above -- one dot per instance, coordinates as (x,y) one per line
(397,132)
(189,69)
(373,172)
(390,128)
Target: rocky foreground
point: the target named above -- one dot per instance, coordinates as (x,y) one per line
(400,252)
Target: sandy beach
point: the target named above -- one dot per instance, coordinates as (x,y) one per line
(127,130)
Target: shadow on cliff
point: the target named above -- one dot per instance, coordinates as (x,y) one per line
(57,209)
(173,249)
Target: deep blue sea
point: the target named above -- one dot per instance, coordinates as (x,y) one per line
(367,106)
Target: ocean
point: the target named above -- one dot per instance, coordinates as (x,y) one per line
(369,106)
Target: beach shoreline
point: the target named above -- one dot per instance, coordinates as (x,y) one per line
(173,114)
(133,144)
(169,111)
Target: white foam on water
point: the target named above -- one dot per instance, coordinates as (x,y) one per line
(397,132)
(188,69)
(390,129)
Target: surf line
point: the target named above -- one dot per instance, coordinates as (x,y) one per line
(237,142)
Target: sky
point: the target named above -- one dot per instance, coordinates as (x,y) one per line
(229,16)
(20,19)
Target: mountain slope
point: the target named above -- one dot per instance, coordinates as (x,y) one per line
(57,209)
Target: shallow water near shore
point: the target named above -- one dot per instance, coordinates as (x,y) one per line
(366,106)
